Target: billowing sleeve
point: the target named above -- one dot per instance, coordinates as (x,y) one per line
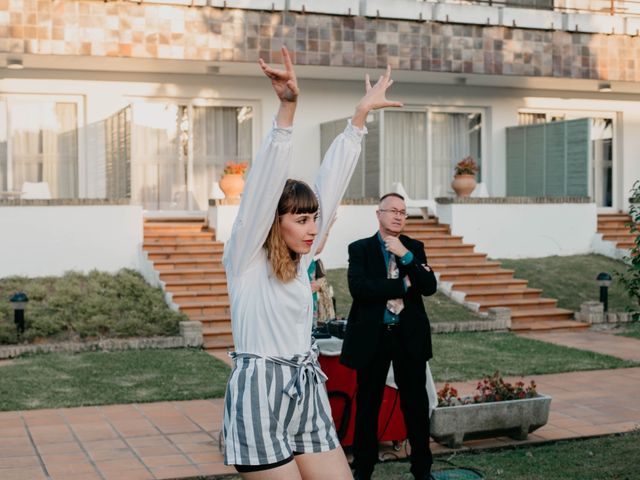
(260,196)
(334,175)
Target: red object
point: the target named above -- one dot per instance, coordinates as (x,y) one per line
(341,386)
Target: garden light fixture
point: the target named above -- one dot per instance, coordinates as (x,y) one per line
(604,280)
(19,302)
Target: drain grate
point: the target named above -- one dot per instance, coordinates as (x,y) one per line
(456,474)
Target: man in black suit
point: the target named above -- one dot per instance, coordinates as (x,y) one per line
(388,275)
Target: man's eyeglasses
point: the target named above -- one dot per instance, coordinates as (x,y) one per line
(396,213)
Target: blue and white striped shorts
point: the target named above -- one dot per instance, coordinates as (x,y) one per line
(275,406)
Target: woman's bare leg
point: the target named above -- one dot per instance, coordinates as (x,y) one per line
(331,465)
(288,471)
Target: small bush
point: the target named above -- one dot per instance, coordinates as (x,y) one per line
(89,306)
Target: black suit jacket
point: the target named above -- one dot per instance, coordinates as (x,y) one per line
(370,289)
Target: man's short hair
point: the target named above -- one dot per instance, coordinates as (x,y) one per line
(391,194)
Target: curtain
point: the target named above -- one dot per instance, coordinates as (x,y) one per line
(44,146)
(450,145)
(405,152)
(158,170)
(220,135)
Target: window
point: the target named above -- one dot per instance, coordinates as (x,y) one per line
(39,143)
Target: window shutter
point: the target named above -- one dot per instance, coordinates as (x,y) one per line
(516,147)
(578,157)
(534,161)
(555,153)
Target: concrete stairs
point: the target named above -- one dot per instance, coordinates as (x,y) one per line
(484,284)
(189,261)
(613,227)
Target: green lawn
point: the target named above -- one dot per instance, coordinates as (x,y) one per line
(103,378)
(612,457)
(468,356)
(630,330)
(572,280)
(439,307)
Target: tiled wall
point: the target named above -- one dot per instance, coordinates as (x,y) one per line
(127,29)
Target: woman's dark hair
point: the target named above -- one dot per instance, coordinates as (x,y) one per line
(297,197)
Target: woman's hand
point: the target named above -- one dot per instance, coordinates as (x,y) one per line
(374,98)
(284,82)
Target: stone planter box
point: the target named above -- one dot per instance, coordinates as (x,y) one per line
(513,418)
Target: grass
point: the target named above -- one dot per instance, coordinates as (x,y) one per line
(611,457)
(469,356)
(439,307)
(572,280)
(103,378)
(87,306)
(631,330)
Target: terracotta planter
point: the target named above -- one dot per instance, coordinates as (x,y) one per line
(463,185)
(515,418)
(232,185)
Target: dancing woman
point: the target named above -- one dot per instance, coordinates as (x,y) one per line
(277,418)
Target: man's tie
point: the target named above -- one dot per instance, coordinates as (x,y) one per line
(395,305)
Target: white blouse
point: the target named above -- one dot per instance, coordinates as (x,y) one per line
(270,317)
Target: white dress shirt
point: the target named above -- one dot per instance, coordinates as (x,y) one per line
(270,317)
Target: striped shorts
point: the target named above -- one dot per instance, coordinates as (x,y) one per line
(275,406)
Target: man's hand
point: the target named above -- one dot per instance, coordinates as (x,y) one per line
(395,246)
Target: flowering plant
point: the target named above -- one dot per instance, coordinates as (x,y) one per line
(489,389)
(236,168)
(466,166)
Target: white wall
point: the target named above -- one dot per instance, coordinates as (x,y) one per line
(523,230)
(353,222)
(50,240)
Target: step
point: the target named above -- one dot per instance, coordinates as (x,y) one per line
(441,237)
(186,255)
(211,319)
(541,314)
(421,221)
(164,264)
(219,342)
(449,258)
(614,216)
(157,237)
(440,266)
(198,246)
(618,238)
(193,273)
(173,227)
(205,308)
(452,275)
(427,231)
(626,245)
(213,295)
(523,326)
(461,248)
(216,331)
(516,304)
(471,286)
(481,295)
(196,284)
(614,230)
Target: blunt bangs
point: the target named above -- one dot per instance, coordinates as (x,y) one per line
(297,197)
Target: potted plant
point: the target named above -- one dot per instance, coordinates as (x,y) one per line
(464,178)
(497,408)
(232,182)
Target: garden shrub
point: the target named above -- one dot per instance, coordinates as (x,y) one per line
(95,305)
